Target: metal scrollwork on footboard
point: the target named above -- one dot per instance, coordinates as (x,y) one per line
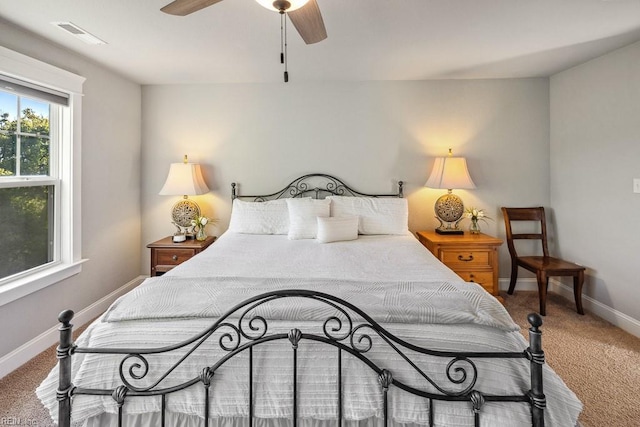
(347,328)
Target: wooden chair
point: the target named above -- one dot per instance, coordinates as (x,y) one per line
(543,266)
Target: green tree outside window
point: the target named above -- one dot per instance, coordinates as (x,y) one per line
(24,210)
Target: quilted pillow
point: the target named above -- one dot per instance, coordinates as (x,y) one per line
(303,214)
(377,215)
(337,229)
(270,217)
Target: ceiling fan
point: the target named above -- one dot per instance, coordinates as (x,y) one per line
(304,14)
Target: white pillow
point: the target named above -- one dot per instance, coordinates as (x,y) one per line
(303,214)
(377,215)
(337,229)
(270,217)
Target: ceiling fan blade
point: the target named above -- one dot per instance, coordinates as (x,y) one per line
(308,21)
(185,7)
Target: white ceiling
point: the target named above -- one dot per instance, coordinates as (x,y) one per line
(239,41)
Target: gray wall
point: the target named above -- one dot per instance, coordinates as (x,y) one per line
(110,193)
(371,134)
(595,154)
(575,150)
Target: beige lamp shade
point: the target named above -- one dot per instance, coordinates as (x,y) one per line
(184,179)
(450,173)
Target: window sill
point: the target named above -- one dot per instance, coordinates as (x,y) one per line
(24,286)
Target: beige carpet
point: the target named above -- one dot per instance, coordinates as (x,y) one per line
(598,361)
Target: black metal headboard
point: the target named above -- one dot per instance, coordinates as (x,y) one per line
(319,185)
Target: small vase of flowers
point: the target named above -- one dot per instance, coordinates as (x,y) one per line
(475,215)
(199,224)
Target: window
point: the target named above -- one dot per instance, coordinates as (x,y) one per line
(39,165)
(29,182)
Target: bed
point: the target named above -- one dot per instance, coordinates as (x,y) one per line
(309,311)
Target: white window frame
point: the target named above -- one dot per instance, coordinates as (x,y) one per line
(68,261)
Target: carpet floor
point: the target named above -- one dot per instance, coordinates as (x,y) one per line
(599,362)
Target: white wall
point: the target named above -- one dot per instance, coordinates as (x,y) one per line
(110,193)
(370,134)
(571,146)
(595,154)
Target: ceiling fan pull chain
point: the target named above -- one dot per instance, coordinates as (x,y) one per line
(283,43)
(282,38)
(286,73)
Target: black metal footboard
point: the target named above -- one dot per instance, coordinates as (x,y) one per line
(349,330)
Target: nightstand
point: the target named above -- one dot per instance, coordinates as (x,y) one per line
(165,254)
(473,257)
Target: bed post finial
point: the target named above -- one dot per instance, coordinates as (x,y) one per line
(233,191)
(400,189)
(536,356)
(64,351)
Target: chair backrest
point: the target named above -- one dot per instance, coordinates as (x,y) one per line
(525,214)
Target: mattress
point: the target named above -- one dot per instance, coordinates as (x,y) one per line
(396,272)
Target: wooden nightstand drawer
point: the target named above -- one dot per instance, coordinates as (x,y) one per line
(173,256)
(472,258)
(484,278)
(165,254)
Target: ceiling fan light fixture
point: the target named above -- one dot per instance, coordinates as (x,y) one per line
(277,4)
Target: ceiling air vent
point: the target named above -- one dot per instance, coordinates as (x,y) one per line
(78,32)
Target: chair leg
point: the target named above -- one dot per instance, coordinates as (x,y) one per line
(543,282)
(514,278)
(578,281)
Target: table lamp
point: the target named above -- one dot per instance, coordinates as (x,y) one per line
(449,173)
(184,179)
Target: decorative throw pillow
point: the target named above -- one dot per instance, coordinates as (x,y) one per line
(337,229)
(377,215)
(270,217)
(303,213)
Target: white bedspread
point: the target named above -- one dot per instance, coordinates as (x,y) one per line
(386,302)
(379,260)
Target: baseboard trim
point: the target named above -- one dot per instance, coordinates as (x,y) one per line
(621,320)
(37,345)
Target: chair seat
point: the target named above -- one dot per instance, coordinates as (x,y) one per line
(552,266)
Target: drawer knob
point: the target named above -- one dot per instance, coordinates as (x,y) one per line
(469,258)
(175,257)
